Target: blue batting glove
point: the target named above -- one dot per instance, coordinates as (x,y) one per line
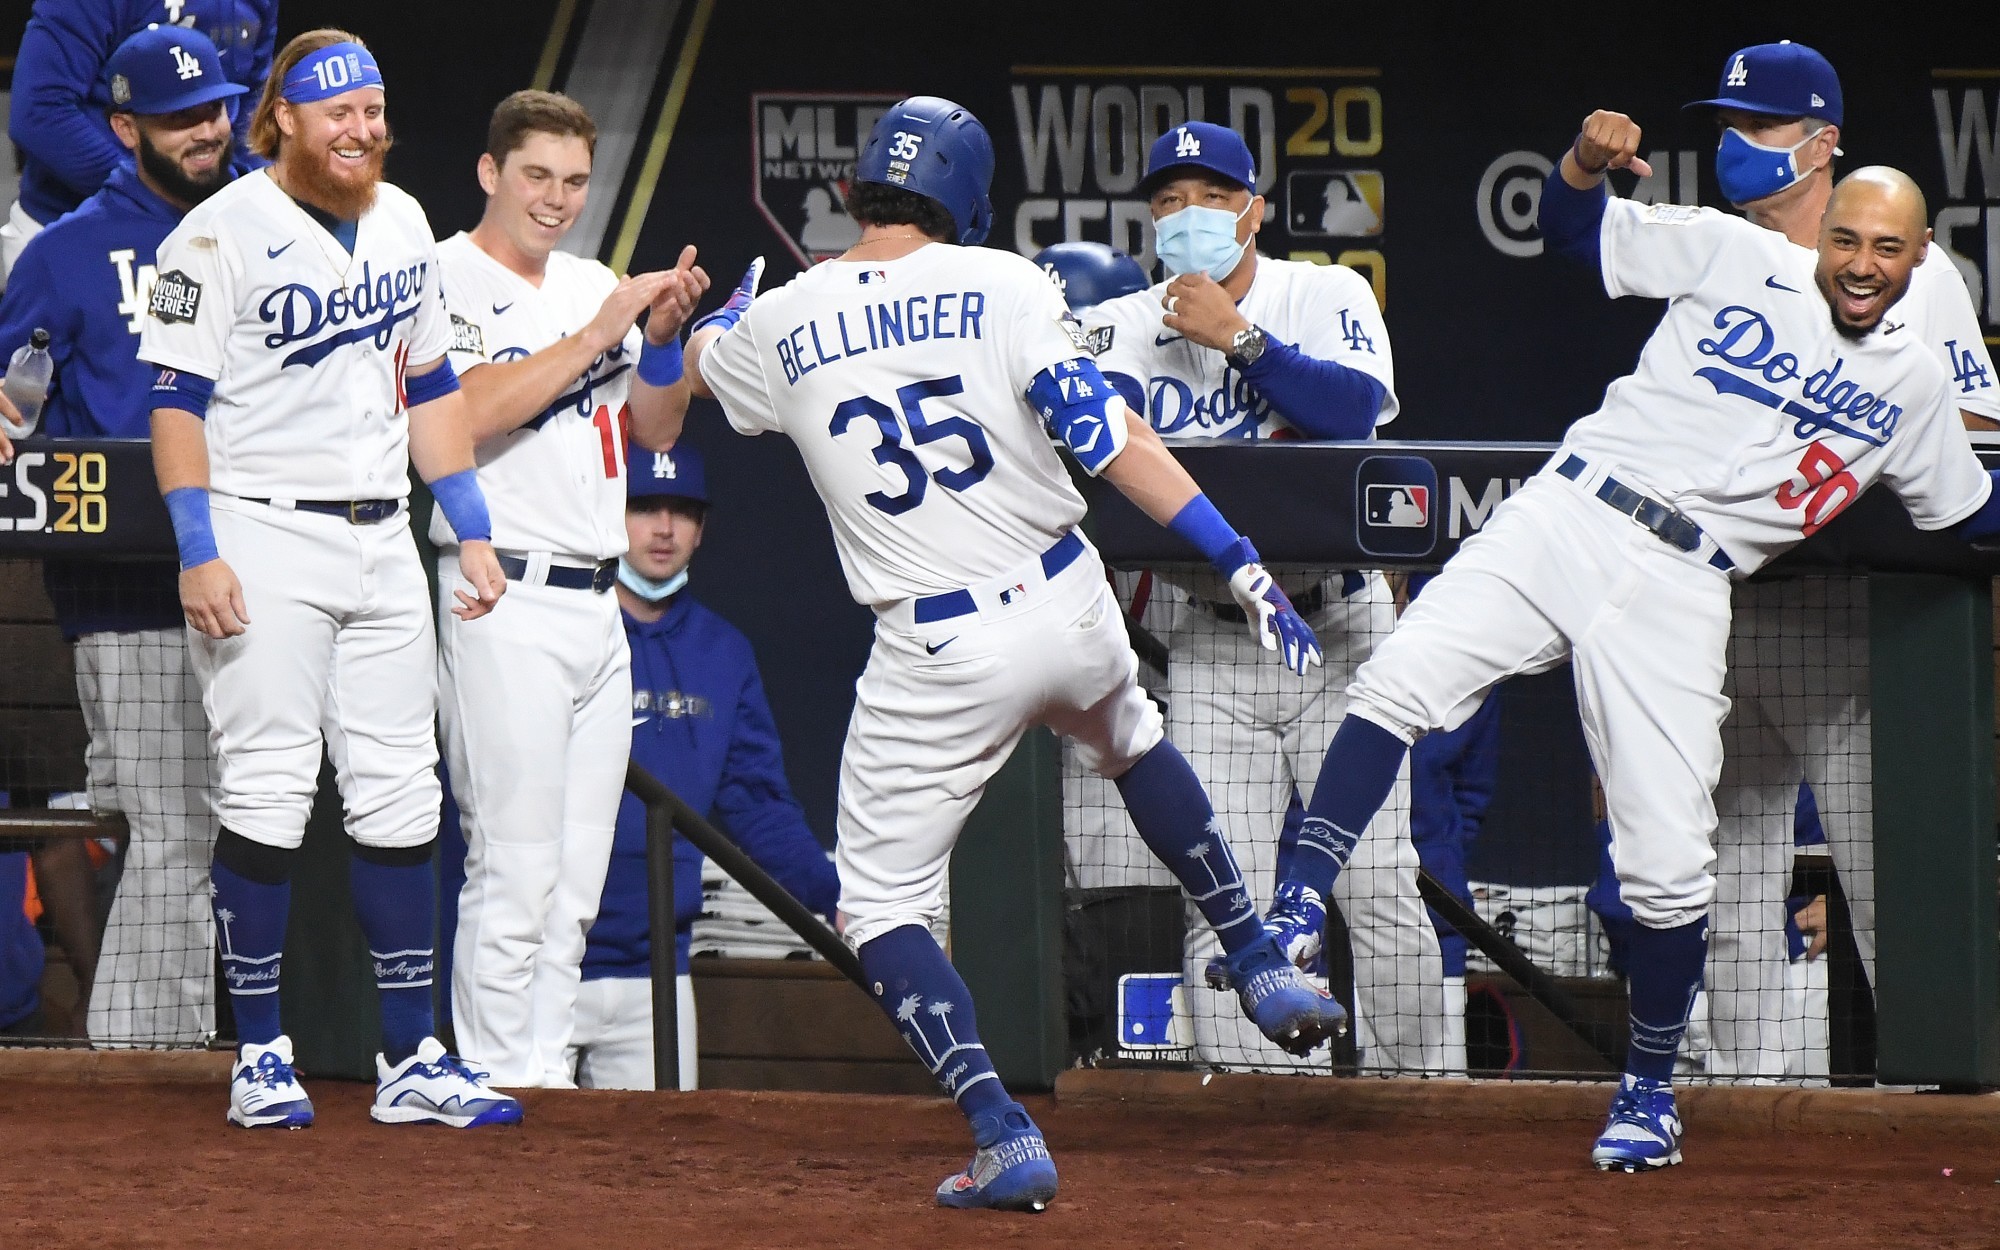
(733,309)
(1273,620)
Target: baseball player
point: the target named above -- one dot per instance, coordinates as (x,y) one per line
(701,724)
(300,336)
(534,696)
(62,94)
(1779,109)
(918,374)
(1241,346)
(1773,392)
(86,280)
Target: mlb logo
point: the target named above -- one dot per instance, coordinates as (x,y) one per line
(1394,498)
(803,147)
(1399,506)
(869,277)
(1334,204)
(1009,595)
(1151,1016)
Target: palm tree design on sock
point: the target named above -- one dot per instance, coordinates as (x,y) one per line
(906,1014)
(222,917)
(942,1009)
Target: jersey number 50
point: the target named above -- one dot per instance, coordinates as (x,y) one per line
(891,451)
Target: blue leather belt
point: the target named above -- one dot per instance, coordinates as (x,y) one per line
(598,577)
(357,511)
(959,602)
(1669,525)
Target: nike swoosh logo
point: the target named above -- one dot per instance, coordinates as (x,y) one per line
(941,646)
(501,308)
(275,252)
(1776,285)
(1165,339)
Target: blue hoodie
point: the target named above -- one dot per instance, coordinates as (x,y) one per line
(61,98)
(702,725)
(82,280)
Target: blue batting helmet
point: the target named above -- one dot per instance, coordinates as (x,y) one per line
(937,149)
(1090,273)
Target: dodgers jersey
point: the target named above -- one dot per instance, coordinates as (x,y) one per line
(1938,309)
(1748,411)
(1326,311)
(556,483)
(901,381)
(306,344)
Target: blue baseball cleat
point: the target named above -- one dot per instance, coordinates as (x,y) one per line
(264,1091)
(432,1087)
(1644,1131)
(1298,920)
(1011,1170)
(1297,1017)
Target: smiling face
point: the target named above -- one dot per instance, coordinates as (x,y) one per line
(1871,239)
(184,155)
(332,150)
(535,194)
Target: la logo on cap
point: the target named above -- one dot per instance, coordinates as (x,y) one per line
(1187,145)
(185,64)
(663,465)
(1739,73)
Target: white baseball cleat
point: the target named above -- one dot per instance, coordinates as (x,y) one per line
(264,1092)
(433,1087)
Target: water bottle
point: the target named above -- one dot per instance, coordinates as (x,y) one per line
(27,383)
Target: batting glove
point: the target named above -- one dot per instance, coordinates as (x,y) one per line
(739,300)
(1273,620)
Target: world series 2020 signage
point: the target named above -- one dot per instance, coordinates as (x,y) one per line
(92,497)
(1072,150)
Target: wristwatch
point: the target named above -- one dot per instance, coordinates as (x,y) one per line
(1247,346)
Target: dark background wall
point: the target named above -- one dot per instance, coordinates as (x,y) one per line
(1490,343)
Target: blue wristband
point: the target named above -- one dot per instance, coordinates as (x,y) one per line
(194,532)
(661,365)
(1203,526)
(464,505)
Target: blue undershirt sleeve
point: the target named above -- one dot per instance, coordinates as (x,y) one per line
(1322,398)
(1571,219)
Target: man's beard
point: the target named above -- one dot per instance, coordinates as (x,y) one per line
(175,182)
(307,177)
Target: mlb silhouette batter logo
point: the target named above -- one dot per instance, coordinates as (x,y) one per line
(1393,497)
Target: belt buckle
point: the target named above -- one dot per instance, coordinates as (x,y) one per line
(354,516)
(605,574)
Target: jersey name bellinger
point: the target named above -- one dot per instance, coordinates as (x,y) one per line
(300,313)
(878,326)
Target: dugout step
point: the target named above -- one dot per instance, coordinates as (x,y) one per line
(796,1024)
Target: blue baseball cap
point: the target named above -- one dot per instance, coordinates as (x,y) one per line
(1199,145)
(164,69)
(676,474)
(1783,79)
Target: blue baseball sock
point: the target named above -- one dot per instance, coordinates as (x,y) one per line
(1354,781)
(1666,969)
(395,898)
(253,900)
(1173,815)
(918,988)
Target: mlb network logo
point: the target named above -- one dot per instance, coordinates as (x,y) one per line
(1394,496)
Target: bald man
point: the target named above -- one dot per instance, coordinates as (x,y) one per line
(1771,394)
(1790,724)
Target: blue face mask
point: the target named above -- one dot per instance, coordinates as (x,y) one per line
(645,587)
(1748,171)
(1197,239)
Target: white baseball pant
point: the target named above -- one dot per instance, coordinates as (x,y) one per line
(612,1045)
(339,645)
(1254,731)
(930,728)
(14,236)
(537,706)
(149,758)
(1558,575)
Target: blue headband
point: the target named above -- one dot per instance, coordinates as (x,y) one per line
(331,71)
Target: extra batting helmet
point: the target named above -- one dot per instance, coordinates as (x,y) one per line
(1090,273)
(938,150)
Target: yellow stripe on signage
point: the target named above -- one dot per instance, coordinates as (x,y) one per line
(663,133)
(545,69)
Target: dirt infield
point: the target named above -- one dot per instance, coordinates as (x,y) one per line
(155,1165)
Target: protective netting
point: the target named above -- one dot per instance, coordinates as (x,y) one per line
(1503,813)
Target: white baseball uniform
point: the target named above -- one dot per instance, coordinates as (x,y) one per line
(1254,733)
(307,345)
(901,382)
(536,695)
(1757,422)
(1799,663)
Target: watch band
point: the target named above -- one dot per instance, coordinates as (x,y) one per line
(1253,341)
